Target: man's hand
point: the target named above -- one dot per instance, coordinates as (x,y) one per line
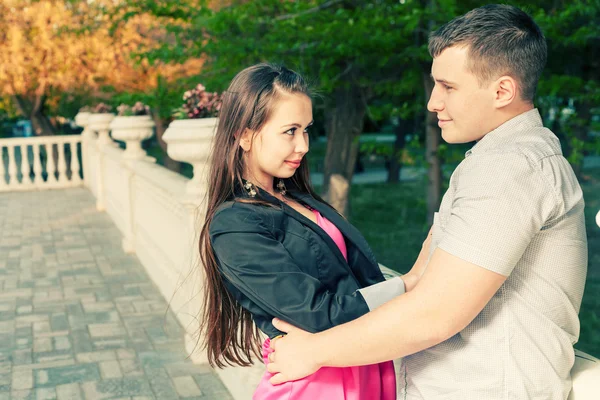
(294,354)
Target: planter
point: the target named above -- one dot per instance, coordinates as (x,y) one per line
(132,130)
(189,140)
(100,123)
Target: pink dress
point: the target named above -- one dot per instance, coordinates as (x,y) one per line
(367,382)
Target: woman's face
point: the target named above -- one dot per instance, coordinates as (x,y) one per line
(275,151)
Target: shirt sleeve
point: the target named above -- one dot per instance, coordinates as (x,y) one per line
(260,267)
(380,293)
(501,202)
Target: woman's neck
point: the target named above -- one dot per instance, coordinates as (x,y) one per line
(266,183)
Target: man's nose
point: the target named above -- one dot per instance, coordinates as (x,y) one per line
(435,102)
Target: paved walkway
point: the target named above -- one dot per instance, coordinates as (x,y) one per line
(79,319)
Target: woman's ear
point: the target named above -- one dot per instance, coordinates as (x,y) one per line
(246,140)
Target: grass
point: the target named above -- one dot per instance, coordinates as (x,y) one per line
(392,218)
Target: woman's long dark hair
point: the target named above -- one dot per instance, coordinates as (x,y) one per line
(230,334)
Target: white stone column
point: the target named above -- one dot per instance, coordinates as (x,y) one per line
(87,136)
(100,123)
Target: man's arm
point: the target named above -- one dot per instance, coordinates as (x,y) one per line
(450,294)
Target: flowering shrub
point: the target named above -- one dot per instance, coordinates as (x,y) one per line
(102,108)
(138,108)
(198,103)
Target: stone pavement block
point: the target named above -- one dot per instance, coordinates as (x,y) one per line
(25,309)
(103,344)
(22,379)
(21,357)
(62,343)
(110,370)
(186,386)
(81,341)
(52,357)
(59,322)
(123,354)
(41,345)
(69,391)
(187,368)
(22,394)
(72,374)
(131,367)
(94,306)
(212,388)
(161,383)
(96,356)
(45,394)
(111,388)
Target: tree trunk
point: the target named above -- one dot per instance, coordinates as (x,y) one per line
(34,111)
(161,127)
(396,158)
(432,142)
(344,124)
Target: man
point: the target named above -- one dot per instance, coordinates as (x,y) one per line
(494,315)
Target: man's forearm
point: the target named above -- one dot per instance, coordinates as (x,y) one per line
(396,329)
(439,306)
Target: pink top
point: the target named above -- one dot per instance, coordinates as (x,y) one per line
(367,382)
(332,231)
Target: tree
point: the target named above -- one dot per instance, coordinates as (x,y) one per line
(354,50)
(39,52)
(569,92)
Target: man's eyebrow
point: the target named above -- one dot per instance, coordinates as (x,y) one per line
(445,82)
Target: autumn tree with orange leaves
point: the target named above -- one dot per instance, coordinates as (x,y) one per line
(52,47)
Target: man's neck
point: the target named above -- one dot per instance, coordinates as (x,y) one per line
(506,114)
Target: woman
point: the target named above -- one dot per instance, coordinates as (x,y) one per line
(272,248)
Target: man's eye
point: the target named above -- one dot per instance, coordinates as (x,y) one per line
(447,87)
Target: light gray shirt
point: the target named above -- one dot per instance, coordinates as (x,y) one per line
(513,207)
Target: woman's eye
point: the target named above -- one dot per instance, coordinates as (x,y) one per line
(447,87)
(290,131)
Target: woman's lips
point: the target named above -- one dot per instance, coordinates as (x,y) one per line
(293,164)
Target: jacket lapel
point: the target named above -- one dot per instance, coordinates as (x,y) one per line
(350,233)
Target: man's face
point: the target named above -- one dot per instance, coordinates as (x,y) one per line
(464,109)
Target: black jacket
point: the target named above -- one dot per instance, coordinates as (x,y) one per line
(278,263)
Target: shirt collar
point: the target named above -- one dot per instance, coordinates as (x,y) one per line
(504,133)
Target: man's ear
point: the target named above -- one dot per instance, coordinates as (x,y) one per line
(507,90)
(246,139)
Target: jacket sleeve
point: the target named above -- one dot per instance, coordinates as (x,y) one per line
(260,267)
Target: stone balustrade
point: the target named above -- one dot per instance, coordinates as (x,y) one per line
(45,162)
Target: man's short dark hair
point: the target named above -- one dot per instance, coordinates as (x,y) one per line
(502,40)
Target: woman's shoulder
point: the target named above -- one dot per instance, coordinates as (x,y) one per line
(241,216)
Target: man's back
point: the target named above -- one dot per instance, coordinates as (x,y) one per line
(513,207)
